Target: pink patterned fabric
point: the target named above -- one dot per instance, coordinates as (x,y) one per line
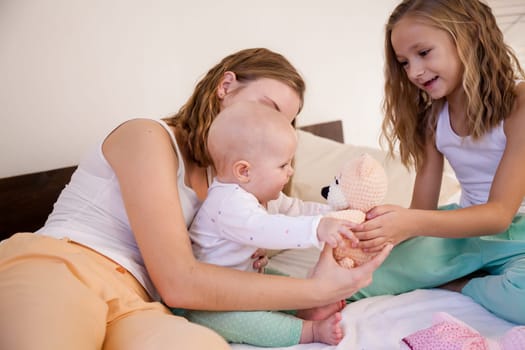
(514,339)
(446,334)
(449,333)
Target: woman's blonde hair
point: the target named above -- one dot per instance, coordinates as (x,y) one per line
(195,116)
(490,72)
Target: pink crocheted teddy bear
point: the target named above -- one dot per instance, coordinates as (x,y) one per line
(360,185)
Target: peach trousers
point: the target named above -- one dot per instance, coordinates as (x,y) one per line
(56,294)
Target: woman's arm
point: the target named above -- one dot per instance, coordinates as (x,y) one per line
(145,163)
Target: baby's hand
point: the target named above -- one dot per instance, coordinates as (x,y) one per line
(260,257)
(332,230)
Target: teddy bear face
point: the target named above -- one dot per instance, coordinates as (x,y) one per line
(361,184)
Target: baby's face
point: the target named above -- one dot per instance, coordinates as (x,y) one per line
(272,169)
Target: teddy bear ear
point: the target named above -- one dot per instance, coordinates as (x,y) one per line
(363,166)
(364,182)
(368,166)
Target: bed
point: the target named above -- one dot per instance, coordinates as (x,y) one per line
(374,323)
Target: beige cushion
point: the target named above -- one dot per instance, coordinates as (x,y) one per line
(318,159)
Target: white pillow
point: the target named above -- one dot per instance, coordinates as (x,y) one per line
(318,159)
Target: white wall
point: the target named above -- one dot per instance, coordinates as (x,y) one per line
(70,70)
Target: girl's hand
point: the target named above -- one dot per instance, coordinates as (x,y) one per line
(332,230)
(261,259)
(341,281)
(386,224)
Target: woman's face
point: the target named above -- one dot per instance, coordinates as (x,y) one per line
(271,92)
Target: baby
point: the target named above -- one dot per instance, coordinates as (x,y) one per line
(252,146)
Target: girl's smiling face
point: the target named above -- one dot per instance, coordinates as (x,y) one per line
(428,56)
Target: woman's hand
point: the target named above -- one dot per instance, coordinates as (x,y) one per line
(386,224)
(261,259)
(341,281)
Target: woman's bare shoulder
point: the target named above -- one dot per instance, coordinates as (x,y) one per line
(138,125)
(135,139)
(136,131)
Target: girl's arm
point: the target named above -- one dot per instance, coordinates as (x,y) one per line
(427,184)
(508,186)
(145,163)
(506,193)
(395,224)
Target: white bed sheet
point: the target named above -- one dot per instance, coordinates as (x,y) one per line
(381,322)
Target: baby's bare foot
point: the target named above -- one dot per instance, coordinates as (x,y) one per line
(321,312)
(328,331)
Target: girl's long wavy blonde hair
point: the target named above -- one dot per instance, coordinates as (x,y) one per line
(490,71)
(195,116)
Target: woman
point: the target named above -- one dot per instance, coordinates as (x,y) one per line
(117,240)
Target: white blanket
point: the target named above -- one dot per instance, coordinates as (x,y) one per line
(381,322)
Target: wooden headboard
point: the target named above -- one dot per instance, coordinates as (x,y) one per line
(331,130)
(26,200)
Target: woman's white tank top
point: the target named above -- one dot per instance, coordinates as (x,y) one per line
(90,211)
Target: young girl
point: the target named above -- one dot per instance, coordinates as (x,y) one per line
(252,147)
(453,92)
(117,240)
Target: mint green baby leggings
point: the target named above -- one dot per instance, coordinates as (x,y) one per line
(426,262)
(259,328)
